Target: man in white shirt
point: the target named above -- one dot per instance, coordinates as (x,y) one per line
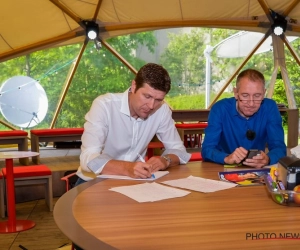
(120,126)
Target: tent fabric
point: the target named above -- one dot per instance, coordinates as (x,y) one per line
(31,25)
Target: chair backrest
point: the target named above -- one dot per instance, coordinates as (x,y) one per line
(70,178)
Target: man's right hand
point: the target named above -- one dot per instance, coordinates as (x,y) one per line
(237,156)
(141,170)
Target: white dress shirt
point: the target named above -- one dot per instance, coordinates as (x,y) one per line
(111,133)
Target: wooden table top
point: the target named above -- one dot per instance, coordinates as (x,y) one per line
(238,218)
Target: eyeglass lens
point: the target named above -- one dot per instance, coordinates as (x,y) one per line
(254,100)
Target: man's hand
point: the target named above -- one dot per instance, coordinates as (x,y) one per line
(158,163)
(237,156)
(258,161)
(141,170)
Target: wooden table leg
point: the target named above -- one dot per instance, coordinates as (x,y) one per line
(293,127)
(35,147)
(23,146)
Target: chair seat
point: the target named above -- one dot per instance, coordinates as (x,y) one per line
(57,131)
(196,156)
(28,175)
(13,133)
(29,171)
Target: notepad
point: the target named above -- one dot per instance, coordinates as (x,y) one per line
(157,175)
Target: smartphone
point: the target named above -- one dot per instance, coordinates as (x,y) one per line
(252,152)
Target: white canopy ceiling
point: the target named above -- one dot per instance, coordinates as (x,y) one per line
(30,25)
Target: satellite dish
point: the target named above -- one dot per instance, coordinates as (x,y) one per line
(241,43)
(23,101)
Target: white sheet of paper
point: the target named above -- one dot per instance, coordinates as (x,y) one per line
(149,192)
(200,184)
(157,175)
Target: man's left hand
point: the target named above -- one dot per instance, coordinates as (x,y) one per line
(157,163)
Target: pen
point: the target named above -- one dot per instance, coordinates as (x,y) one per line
(140,157)
(142,160)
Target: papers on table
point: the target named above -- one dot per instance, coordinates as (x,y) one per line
(157,175)
(154,192)
(150,192)
(200,184)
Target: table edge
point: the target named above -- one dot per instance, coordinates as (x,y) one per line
(64,219)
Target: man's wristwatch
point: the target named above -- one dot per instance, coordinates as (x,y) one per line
(168,160)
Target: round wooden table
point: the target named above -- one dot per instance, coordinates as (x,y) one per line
(12,225)
(94,217)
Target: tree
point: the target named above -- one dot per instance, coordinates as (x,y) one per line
(98,72)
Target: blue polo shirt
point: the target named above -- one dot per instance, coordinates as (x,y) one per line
(227,129)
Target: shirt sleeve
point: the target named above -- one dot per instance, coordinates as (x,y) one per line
(93,139)
(275,135)
(213,132)
(169,136)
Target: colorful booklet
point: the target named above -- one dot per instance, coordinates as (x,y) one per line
(247,177)
(239,167)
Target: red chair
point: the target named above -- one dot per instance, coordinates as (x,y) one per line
(153,145)
(2,196)
(196,156)
(30,175)
(191,133)
(70,178)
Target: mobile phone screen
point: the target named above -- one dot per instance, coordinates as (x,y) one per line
(252,152)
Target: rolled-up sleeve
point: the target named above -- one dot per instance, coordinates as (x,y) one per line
(93,139)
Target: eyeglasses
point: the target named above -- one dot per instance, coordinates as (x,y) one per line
(247,101)
(250,134)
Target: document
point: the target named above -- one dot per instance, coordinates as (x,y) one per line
(149,192)
(154,176)
(200,184)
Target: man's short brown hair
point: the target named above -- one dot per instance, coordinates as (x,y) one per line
(155,75)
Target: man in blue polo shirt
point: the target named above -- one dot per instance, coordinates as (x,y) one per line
(243,122)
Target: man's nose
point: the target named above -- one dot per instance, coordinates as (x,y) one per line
(151,103)
(251,102)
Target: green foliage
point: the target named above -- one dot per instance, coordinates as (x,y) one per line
(190,101)
(183,58)
(101,72)
(186,102)
(98,72)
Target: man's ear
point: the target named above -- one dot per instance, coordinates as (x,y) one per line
(133,86)
(235,92)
